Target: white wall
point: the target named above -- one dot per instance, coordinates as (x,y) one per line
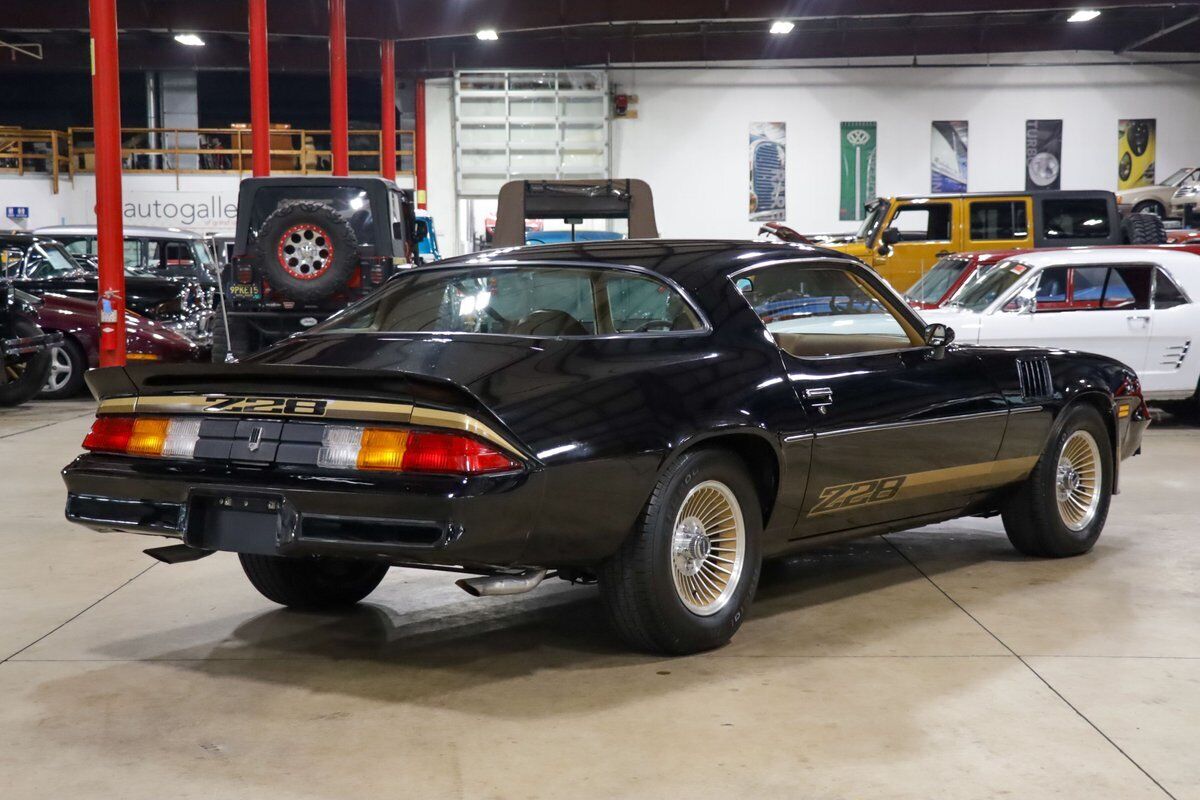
(690,138)
(197,202)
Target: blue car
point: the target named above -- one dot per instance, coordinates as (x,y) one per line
(428,247)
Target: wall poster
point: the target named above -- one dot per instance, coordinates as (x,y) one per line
(1135,153)
(1043,154)
(858,169)
(948,156)
(768,171)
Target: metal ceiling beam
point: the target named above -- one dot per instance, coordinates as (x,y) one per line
(1166,31)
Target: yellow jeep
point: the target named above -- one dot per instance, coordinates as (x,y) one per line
(903,237)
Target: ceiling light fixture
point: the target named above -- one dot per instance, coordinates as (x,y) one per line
(782,26)
(487,35)
(189,39)
(1084,15)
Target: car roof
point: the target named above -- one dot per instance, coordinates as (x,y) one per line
(1043,193)
(130,231)
(686,261)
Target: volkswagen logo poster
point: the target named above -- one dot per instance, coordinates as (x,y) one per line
(768,171)
(948,156)
(858,169)
(1043,154)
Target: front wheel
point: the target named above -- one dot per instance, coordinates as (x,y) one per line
(68,365)
(312,583)
(25,375)
(1060,509)
(684,580)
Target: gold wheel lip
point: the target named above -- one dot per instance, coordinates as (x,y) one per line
(711,502)
(1077,480)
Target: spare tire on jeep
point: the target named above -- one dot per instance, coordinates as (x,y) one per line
(1143,229)
(307,250)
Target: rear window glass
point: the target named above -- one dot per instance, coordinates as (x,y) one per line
(1075,219)
(521,301)
(350,202)
(999,220)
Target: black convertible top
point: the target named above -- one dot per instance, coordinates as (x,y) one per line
(686,261)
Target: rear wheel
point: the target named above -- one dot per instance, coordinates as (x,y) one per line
(685,578)
(24,376)
(1143,229)
(312,583)
(236,338)
(1151,207)
(1061,508)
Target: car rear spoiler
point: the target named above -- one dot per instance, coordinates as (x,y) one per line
(192,384)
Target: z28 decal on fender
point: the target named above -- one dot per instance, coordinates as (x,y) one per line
(289,406)
(880,490)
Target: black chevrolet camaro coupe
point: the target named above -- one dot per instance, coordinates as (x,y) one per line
(658,416)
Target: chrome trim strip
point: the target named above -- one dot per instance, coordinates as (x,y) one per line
(798,437)
(1027,410)
(912,423)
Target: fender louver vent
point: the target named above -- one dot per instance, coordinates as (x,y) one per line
(1034,375)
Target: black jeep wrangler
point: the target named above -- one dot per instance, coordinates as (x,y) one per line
(306,247)
(24,348)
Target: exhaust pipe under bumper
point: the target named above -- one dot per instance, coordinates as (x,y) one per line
(492,585)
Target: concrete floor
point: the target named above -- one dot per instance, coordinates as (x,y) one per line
(933,663)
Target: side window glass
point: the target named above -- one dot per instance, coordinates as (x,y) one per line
(640,305)
(1051,289)
(1166,293)
(1128,288)
(994,220)
(824,311)
(133,253)
(927,222)
(1075,219)
(1087,287)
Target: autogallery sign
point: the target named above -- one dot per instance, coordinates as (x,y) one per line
(202,211)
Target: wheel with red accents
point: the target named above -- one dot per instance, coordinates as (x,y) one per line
(307,250)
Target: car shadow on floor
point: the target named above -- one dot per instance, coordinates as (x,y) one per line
(441,652)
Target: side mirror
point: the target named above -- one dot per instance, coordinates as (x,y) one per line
(891,236)
(420,230)
(938,335)
(1024,303)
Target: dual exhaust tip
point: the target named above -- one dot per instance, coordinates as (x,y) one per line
(502,584)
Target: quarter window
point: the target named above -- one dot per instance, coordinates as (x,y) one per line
(993,220)
(927,222)
(824,311)
(1166,293)
(1093,288)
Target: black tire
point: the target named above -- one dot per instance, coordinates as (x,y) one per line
(1031,516)
(73,359)
(26,376)
(312,583)
(1143,229)
(1151,207)
(637,586)
(332,245)
(238,338)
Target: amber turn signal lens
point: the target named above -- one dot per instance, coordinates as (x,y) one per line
(382,448)
(148,436)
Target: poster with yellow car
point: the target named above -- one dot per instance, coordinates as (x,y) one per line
(1135,153)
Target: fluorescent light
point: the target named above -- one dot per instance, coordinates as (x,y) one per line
(1084,15)
(487,35)
(190,39)
(781,26)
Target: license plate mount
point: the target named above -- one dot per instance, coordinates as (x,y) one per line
(239,523)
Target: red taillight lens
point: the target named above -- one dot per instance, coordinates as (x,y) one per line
(447,452)
(109,435)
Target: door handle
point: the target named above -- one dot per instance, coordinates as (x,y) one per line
(1145,318)
(819,398)
(942,253)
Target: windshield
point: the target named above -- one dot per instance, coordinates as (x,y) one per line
(876,211)
(933,285)
(519,301)
(46,260)
(981,293)
(1178,176)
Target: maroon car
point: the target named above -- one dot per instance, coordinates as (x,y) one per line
(949,274)
(79,322)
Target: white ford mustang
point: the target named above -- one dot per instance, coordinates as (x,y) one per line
(1135,304)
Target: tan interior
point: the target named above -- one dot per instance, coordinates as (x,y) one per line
(809,345)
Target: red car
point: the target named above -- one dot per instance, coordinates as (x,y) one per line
(79,322)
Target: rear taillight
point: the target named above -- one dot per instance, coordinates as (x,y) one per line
(376,270)
(409,451)
(156,437)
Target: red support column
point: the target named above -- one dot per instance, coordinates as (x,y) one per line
(419,144)
(106,119)
(387,107)
(339,126)
(260,96)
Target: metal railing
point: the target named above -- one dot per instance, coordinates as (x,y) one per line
(195,151)
(25,152)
